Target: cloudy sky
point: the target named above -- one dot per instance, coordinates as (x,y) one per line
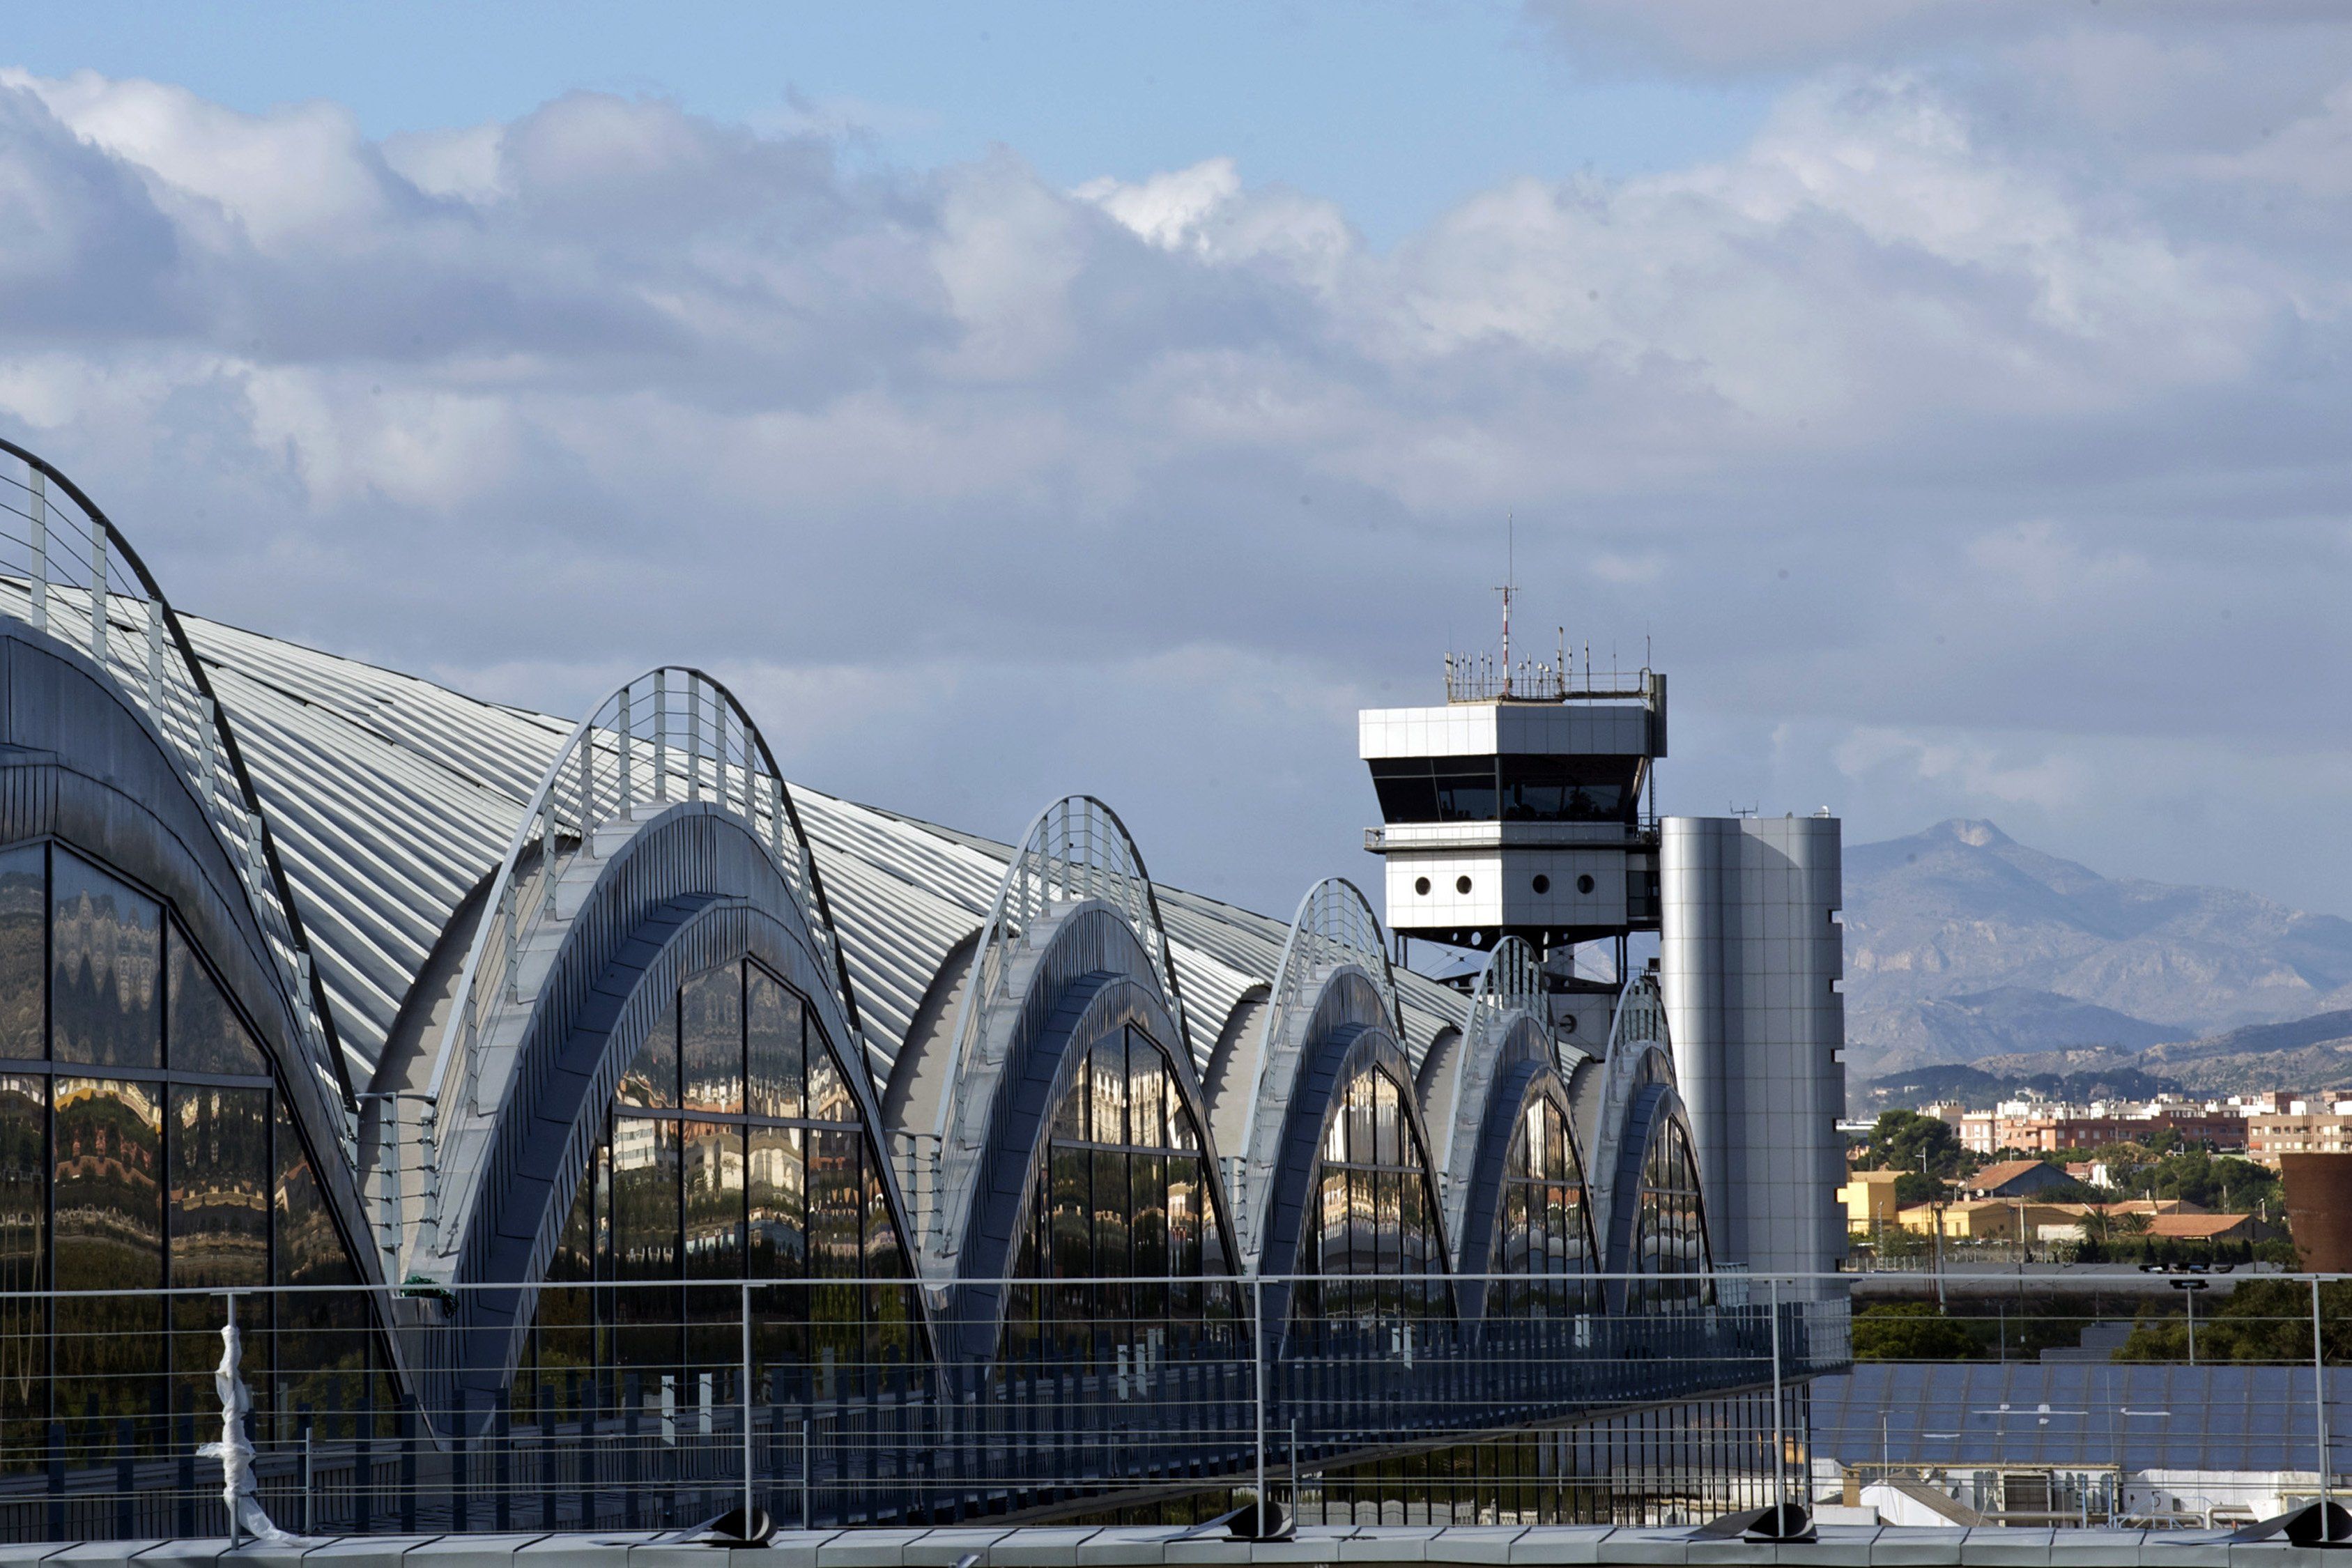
(1031,398)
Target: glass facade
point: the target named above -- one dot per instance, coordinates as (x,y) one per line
(1520,787)
(144,1154)
(1122,1246)
(733,1150)
(1669,1235)
(1543,1234)
(1369,1237)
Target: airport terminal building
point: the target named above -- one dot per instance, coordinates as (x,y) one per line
(545,1097)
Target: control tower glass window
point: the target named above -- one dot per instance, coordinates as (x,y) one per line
(1570,789)
(1517,788)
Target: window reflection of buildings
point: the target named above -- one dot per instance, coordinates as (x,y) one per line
(1669,1239)
(116,1175)
(1369,1248)
(1121,1217)
(1545,1239)
(733,1151)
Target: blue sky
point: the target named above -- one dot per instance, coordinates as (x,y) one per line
(1394,110)
(1118,401)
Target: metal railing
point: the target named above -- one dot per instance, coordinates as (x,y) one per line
(2088,1398)
(651,1404)
(1481,677)
(67,572)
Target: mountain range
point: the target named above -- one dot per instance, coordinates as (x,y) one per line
(1965,946)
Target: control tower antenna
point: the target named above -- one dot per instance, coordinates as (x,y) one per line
(1510,573)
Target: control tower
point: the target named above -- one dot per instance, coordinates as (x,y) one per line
(1522,807)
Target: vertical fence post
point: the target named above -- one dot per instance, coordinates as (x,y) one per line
(2319,1395)
(808,1520)
(693,737)
(155,659)
(1779,1437)
(98,596)
(37,579)
(1257,1385)
(746,1391)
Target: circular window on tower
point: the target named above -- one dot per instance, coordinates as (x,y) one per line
(1584,884)
(1461,884)
(1543,884)
(1420,885)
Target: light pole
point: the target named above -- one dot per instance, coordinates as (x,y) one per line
(2188,1288)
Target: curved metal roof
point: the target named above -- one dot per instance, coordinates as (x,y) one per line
(392,797)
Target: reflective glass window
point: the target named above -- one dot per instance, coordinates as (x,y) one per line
(1119,1193)
(717,1173)
(644,1198)
(106,946)
(1107,1076)
(203,1032)
(1541,1235)
(108,1191)
(772,1031)
(1375,1221)
(220,1186)
(714,1200)
(711,1041)
(829,1097)
(649,1316)
(1669,1238)
(651,1081)
(24,1260)
(778,1191)
(23,953)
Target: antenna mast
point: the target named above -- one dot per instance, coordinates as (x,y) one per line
(1510,571)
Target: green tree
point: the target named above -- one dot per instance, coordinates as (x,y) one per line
(1912,1189)
(2260,1321)
(1910,1330)
(1902,1140)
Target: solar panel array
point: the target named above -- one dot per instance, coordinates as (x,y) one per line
(2141,1415)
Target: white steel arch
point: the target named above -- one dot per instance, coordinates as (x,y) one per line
(55,575)
(1076,849)
(1334,927)
(1639,1053)
(1509,987)
(671,734)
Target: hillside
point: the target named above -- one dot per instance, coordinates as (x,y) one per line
(1963,944)
(2313,1054)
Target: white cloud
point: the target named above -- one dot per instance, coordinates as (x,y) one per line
(1888,425)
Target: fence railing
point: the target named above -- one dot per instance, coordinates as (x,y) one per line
(652,1405)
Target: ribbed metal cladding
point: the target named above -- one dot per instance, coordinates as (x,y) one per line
(1750,954)
(395,797)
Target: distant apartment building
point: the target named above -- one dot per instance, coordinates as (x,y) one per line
(1869,1200)
(2300,1127)
(2041,1126)
(2004,1219)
